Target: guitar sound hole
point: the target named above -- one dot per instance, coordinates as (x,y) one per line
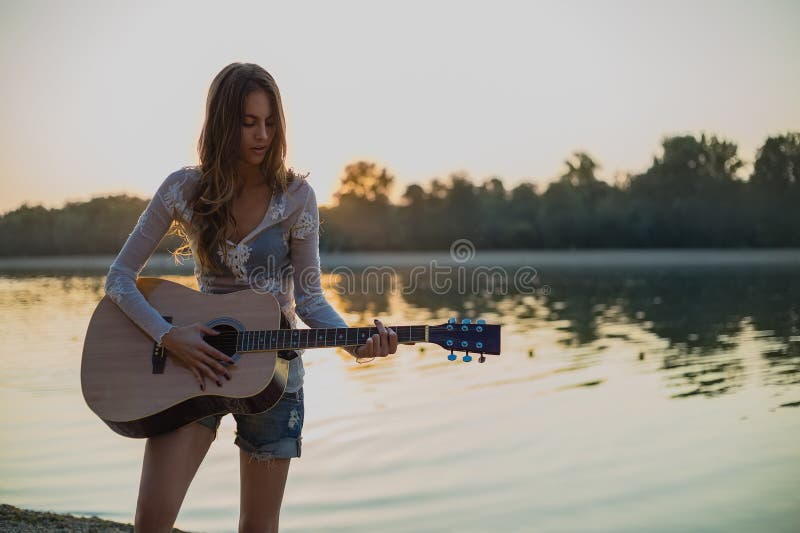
(225,342)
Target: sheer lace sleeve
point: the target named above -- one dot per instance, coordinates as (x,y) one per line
(153,224)
(310,303)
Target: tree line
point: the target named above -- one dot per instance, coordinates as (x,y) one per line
(690,196)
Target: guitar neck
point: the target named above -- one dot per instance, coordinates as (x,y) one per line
(259,340)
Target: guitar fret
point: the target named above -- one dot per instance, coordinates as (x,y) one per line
(330,336)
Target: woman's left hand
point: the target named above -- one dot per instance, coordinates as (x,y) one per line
(381,344)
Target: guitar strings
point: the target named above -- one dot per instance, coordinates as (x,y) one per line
(230,340)
(268,332)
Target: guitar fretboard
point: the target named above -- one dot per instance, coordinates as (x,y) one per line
(282,339)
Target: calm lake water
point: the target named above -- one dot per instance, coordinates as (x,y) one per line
(636,391)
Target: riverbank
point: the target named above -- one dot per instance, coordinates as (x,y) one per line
(16,520)
(161,264)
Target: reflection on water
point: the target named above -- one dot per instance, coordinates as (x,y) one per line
(639,397)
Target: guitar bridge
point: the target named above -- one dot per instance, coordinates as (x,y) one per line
(159,354)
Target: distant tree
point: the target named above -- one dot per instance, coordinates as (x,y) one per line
(774,192)
(414,195)
(689,167)
(365,181)
(523,210)
(359,220)
(580,170)
(689,196)
(568,216)
(777,166)
(495,218)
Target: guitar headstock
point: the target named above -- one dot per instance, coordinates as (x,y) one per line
(479,337)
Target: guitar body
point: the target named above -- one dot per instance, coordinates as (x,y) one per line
(135,388)
(139,392)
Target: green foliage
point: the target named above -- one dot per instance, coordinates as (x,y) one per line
(689,197)
(98,226)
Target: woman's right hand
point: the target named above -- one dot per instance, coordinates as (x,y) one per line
(186,345)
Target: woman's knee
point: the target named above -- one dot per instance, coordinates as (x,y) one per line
(263,523)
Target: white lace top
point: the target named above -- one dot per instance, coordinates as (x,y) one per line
(280,256)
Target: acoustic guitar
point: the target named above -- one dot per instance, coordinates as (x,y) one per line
(131,384)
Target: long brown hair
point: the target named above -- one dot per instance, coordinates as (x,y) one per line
(218,148)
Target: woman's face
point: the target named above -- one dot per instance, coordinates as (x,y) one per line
(258,127)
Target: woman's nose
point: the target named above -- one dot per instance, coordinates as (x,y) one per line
(262,132)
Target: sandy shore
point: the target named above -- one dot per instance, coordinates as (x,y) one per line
(16,520)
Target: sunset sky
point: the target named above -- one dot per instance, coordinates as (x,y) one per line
(107,97)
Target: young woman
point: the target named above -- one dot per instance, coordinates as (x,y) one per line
(250,223)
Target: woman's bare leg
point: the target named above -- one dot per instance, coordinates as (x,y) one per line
(170,463)
(262,484)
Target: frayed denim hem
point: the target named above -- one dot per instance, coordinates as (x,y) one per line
(288,448)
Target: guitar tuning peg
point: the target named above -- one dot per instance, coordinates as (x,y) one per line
(451,357)
(481,321)
(452,320)
(482,358)
(465,321)
(467,357)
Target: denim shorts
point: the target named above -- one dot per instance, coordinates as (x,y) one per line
(276,433)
